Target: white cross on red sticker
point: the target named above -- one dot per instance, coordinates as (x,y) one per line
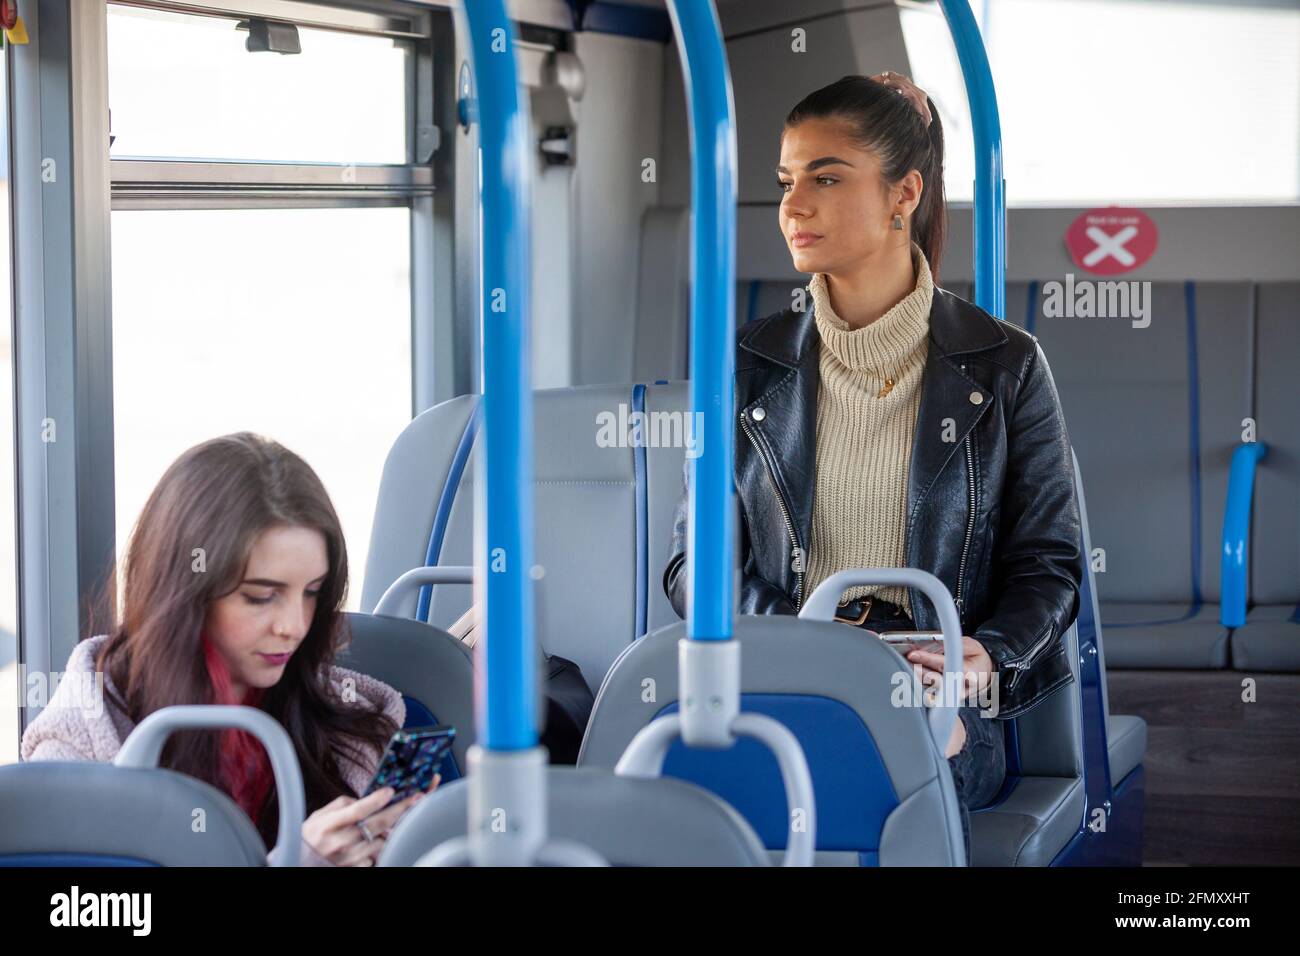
(1111,240)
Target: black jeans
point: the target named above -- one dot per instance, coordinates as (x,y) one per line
(980,767)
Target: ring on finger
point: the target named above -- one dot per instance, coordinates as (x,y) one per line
(365,832)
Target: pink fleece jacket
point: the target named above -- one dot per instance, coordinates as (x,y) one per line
(68,730)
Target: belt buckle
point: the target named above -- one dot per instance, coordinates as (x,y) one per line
(866,609)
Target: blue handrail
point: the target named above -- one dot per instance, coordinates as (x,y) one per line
(506,706)
(990,212)
(711,517)
(1234,580)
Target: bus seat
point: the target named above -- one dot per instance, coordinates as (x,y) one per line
(592,594)
(416,471)
(663,327)
(663,488)
(629,821)
(1049,737)
(1052,733)
(1270,639)
(1046,744)
(1043,800)
(1126,736)
(882,796)
(1154,414)
(56,815)
(433,671)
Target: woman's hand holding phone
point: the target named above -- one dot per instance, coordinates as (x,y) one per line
(976,665)
(336,833)
(977,672)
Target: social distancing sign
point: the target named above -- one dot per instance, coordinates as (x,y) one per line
(1112,240)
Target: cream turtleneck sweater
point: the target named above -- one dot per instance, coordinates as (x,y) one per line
(867,403)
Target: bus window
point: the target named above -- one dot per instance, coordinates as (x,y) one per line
(294,323)
(263,213)
(1087,152)
(185,87)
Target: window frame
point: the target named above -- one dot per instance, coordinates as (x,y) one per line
(62,299)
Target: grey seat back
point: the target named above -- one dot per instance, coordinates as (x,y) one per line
(433,671)
(666,403)
(882,793)
(416,470)
(93,814)
(589,582)
(604,511)
(629,821)
(662,332)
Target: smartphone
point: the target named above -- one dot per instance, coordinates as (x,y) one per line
(412,758)
(900,640)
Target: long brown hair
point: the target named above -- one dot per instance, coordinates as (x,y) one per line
(189,547)
(886,124)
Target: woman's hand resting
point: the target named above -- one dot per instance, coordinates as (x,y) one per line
(333,830)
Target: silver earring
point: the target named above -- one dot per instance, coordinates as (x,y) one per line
(898,222)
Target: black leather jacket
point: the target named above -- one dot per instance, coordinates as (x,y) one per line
(991,507)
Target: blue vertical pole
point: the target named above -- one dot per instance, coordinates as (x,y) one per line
(506,702)
(990,234)
(710,541)
(1234,559)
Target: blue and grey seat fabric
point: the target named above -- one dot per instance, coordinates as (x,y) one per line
(628,821)
(55,815)
(1270,639)
(883,795)
(433,671)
